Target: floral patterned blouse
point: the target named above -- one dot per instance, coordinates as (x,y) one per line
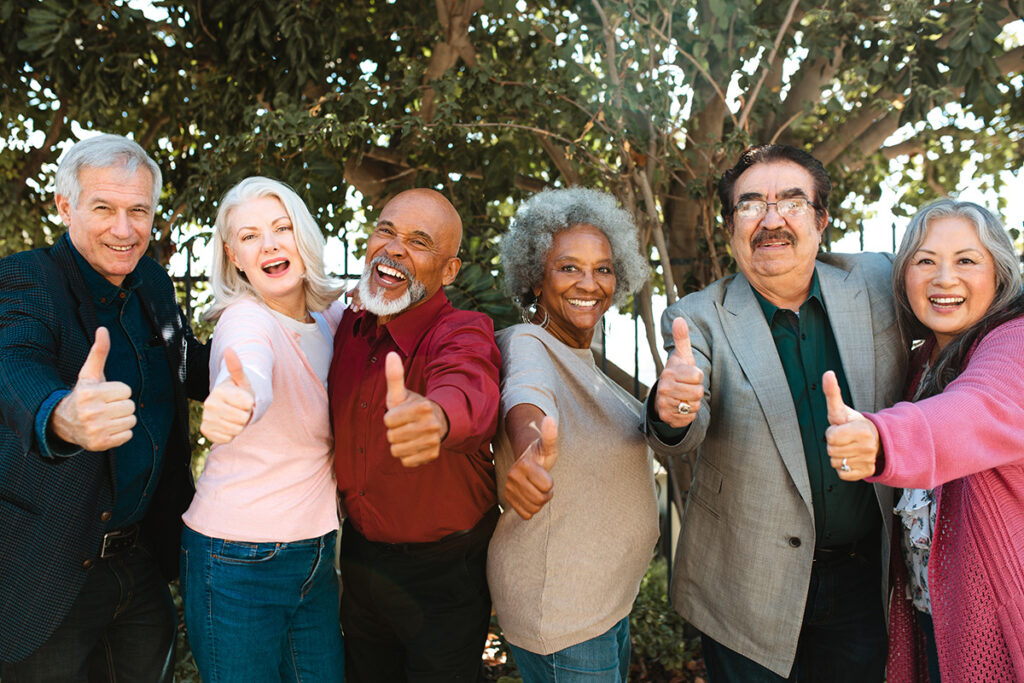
(917,510)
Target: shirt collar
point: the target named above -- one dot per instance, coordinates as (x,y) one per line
(408,327)
(102,289)
(769,309)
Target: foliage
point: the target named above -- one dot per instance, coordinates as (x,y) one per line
(490,100)
(657,633)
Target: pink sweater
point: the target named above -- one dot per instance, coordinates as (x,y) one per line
(969,442)
(275,480)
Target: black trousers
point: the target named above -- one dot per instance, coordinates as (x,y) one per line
(416,612)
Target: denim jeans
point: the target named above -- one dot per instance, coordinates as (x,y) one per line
(260,612)
(603,658)
(120,628)
(843,638)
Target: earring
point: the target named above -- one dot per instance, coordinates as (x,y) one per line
(531,312)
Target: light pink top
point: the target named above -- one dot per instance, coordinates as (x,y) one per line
(275,480)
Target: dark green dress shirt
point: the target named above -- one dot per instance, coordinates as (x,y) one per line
(844,512)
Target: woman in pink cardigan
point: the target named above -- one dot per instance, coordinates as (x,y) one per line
(956,447)
(257,575)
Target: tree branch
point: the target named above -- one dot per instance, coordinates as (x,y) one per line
(752,98)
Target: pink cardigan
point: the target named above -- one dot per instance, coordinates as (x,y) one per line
(275,480)
(968,442)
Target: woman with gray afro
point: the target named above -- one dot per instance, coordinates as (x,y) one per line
(579,519)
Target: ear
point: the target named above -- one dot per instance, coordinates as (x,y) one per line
(451,270)
(231,256)
(822,223)
(64,209)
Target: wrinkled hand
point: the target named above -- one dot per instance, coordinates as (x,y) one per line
(529,486)
(97,415)
(228,408)
(681,382)
(415,424)
(852,437)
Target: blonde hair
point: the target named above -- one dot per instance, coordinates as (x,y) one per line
(229,284)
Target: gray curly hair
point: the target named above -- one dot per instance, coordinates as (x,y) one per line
(525,246)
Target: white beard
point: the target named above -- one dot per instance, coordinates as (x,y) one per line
(381,306)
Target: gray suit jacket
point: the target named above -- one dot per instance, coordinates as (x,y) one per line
(743,561)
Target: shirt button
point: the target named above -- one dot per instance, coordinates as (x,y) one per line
(794,542)
(105,516)
(122,295)
(88,564)
(360,449)
(362,492)
(814,387)
(363,404)
(373,359)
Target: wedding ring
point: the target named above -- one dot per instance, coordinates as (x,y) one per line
(844,467)
(683,408)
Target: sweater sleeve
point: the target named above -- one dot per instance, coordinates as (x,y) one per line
(247,328)
(976,424)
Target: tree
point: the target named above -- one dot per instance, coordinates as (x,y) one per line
(490,101)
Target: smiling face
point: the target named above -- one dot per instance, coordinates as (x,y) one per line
(578,284)
(777,254)
(951,279)
(411,253)
(262,245)
(111,225)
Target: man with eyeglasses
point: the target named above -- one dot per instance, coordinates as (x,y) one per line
(780,564)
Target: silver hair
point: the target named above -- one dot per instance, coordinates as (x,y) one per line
(992,236)
(229,285)
(525,246)
(104,151)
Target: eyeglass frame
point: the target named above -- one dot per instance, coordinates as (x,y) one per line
(812,205)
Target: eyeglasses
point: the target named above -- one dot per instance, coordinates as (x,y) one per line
(755,209)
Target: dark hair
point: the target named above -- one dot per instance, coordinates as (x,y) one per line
(763,154)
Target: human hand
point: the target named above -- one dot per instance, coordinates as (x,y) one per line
(529,486)
(97,415)
(228,408)
(853,442)
(681,383)
(415,424)
(354,301)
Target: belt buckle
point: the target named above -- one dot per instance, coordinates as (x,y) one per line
(118,541)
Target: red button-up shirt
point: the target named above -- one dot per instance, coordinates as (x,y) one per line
(451,358)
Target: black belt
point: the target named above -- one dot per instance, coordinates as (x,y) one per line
(119,541)
(863,546)
(482,529)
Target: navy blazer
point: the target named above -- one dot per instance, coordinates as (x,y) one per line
(52,509)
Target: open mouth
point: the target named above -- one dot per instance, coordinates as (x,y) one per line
(583,303)
(275,266)
(390,275)
(946,301)
(121,248)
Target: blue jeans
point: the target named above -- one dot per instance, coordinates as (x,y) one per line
(602,658)
(262,611)
(843,637)
(120,628)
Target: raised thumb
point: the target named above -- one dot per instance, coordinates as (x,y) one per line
(235,369)
(394,373)
(838,412)
(548,443)
(681,340)
(92,369)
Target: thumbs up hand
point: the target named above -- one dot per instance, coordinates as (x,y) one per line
(415,424)
(852,439)
(529,486)
(97,415)
(681,383)
(228,408)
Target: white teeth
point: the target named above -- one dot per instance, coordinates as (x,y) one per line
(274,262)
(582,303)
(390,271)
(946,300)
(117,248)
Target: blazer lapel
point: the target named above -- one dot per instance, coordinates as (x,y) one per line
(849,313)
(751,342)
